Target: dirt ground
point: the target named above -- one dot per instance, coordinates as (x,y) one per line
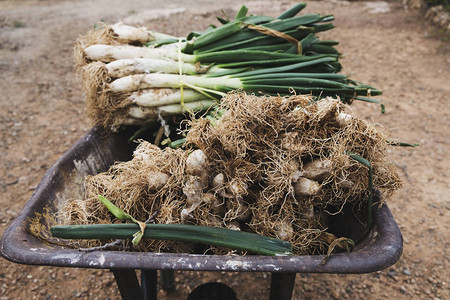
(42,114)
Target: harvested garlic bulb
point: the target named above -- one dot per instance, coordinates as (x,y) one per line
(156,180)
(285,230)
(197,163)
(306,187)
(344,119)
(317,169)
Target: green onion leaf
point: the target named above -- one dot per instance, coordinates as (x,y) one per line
(117,212)
(401,144)
(292,11)
(242,12)
(222,237)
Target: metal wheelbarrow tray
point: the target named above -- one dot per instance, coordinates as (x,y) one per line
(95,152)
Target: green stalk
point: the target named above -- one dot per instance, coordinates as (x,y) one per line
(383,109)
(256,19)
(296,81)
(308,41)
(333,76)
(286,68)
(117,212)
(252,19)
(348,92)
(324,68)
(282,47)
(273,62)
(177,143)
(318,48)
(401,144)
(120,214)
(254,40)
(233,36)
(228,56)
(242,12)
(219,33)
(328,42)
(322,27)
(221,237)
(292,11)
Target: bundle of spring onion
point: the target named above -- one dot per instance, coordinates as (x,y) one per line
(134,76)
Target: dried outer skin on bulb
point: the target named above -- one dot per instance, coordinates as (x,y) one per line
(218,181)
(317,169)
(197,164)
(156,180)
(285,230)
(305,187)
(193,189)
(343,119)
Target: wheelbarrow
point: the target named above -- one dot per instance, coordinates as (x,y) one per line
(96,151)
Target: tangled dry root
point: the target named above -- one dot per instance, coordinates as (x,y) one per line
(274,165)
(103,107)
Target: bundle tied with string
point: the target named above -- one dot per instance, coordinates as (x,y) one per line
(277,166)
(135,76)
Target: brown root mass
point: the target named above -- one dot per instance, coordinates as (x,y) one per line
(258,149)
(103,107)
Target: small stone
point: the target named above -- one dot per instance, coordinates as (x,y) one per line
(23,180)
(406,271)
(391,273)
(403,289)
(25,159)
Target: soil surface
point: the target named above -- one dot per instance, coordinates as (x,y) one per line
(42,114)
